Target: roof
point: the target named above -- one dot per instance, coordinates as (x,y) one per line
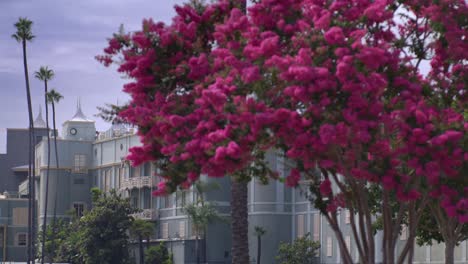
(79,116)
(21,168)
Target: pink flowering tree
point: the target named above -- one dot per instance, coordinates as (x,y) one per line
(338,85)
(194,116)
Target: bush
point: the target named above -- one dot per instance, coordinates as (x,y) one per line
(301,251)
(158,255)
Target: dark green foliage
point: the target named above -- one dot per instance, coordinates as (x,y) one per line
(103,235)
(302,251)
(158,255)
(60,241)
(110,113)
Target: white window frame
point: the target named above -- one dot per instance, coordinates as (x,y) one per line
(80,163)
(76,209)
(17,239)
(300,226)
(316,227)
(182,229)
(347,216)
(165,230)
(329,247)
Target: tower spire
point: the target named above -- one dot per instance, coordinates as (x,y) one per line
(79,115)
(39,121)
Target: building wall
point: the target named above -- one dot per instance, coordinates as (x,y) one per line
(16,155)
(67,185)
(13,222)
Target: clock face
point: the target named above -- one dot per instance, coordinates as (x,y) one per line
(73,131)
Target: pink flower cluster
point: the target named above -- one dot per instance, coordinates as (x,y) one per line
(328,82)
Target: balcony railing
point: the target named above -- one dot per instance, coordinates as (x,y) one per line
(147,214)
(135,182)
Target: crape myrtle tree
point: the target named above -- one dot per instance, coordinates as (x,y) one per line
(337,85)
(190,118)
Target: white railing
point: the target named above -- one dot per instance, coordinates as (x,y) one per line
(147,214)
(135,182)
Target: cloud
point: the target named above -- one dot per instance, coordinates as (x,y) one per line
(68,35)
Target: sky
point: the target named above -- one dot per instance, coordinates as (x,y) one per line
(69,34)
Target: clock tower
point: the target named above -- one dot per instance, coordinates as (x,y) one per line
(79,127)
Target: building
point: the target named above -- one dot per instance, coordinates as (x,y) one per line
(88,159)
(14,206)
(14,163)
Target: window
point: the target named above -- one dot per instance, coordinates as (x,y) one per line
(79,165)
(108,174)
(79,181)
(182,229)
(135,172)
(167,201)
(79,209)
(135,202)
(181,199)
(329,247)
(300,225)
(20,216)
(165,230)
(118,173)
(38,164)
(347,216)
(316,228)
(147,169)
(146,198)
(21,239)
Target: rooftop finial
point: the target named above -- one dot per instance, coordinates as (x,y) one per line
(39,122)
(79,116)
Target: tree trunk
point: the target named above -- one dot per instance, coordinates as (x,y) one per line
(204,246)
(30,158)
(259,248)
(449,251)
(54,217)
(239,223)
(197,249)
(44,222)
(142,251)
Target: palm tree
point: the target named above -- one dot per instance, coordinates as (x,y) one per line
(201,213)
(45,74)
(54,97)
(140,229)
(259,232)
(23,35)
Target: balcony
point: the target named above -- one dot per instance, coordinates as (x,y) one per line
(147,214)
(135,182)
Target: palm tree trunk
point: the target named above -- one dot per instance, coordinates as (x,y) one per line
(142,252)
(259,248)
(197,249)
(239,223)
(31,160)
(44,222)
(54,218)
